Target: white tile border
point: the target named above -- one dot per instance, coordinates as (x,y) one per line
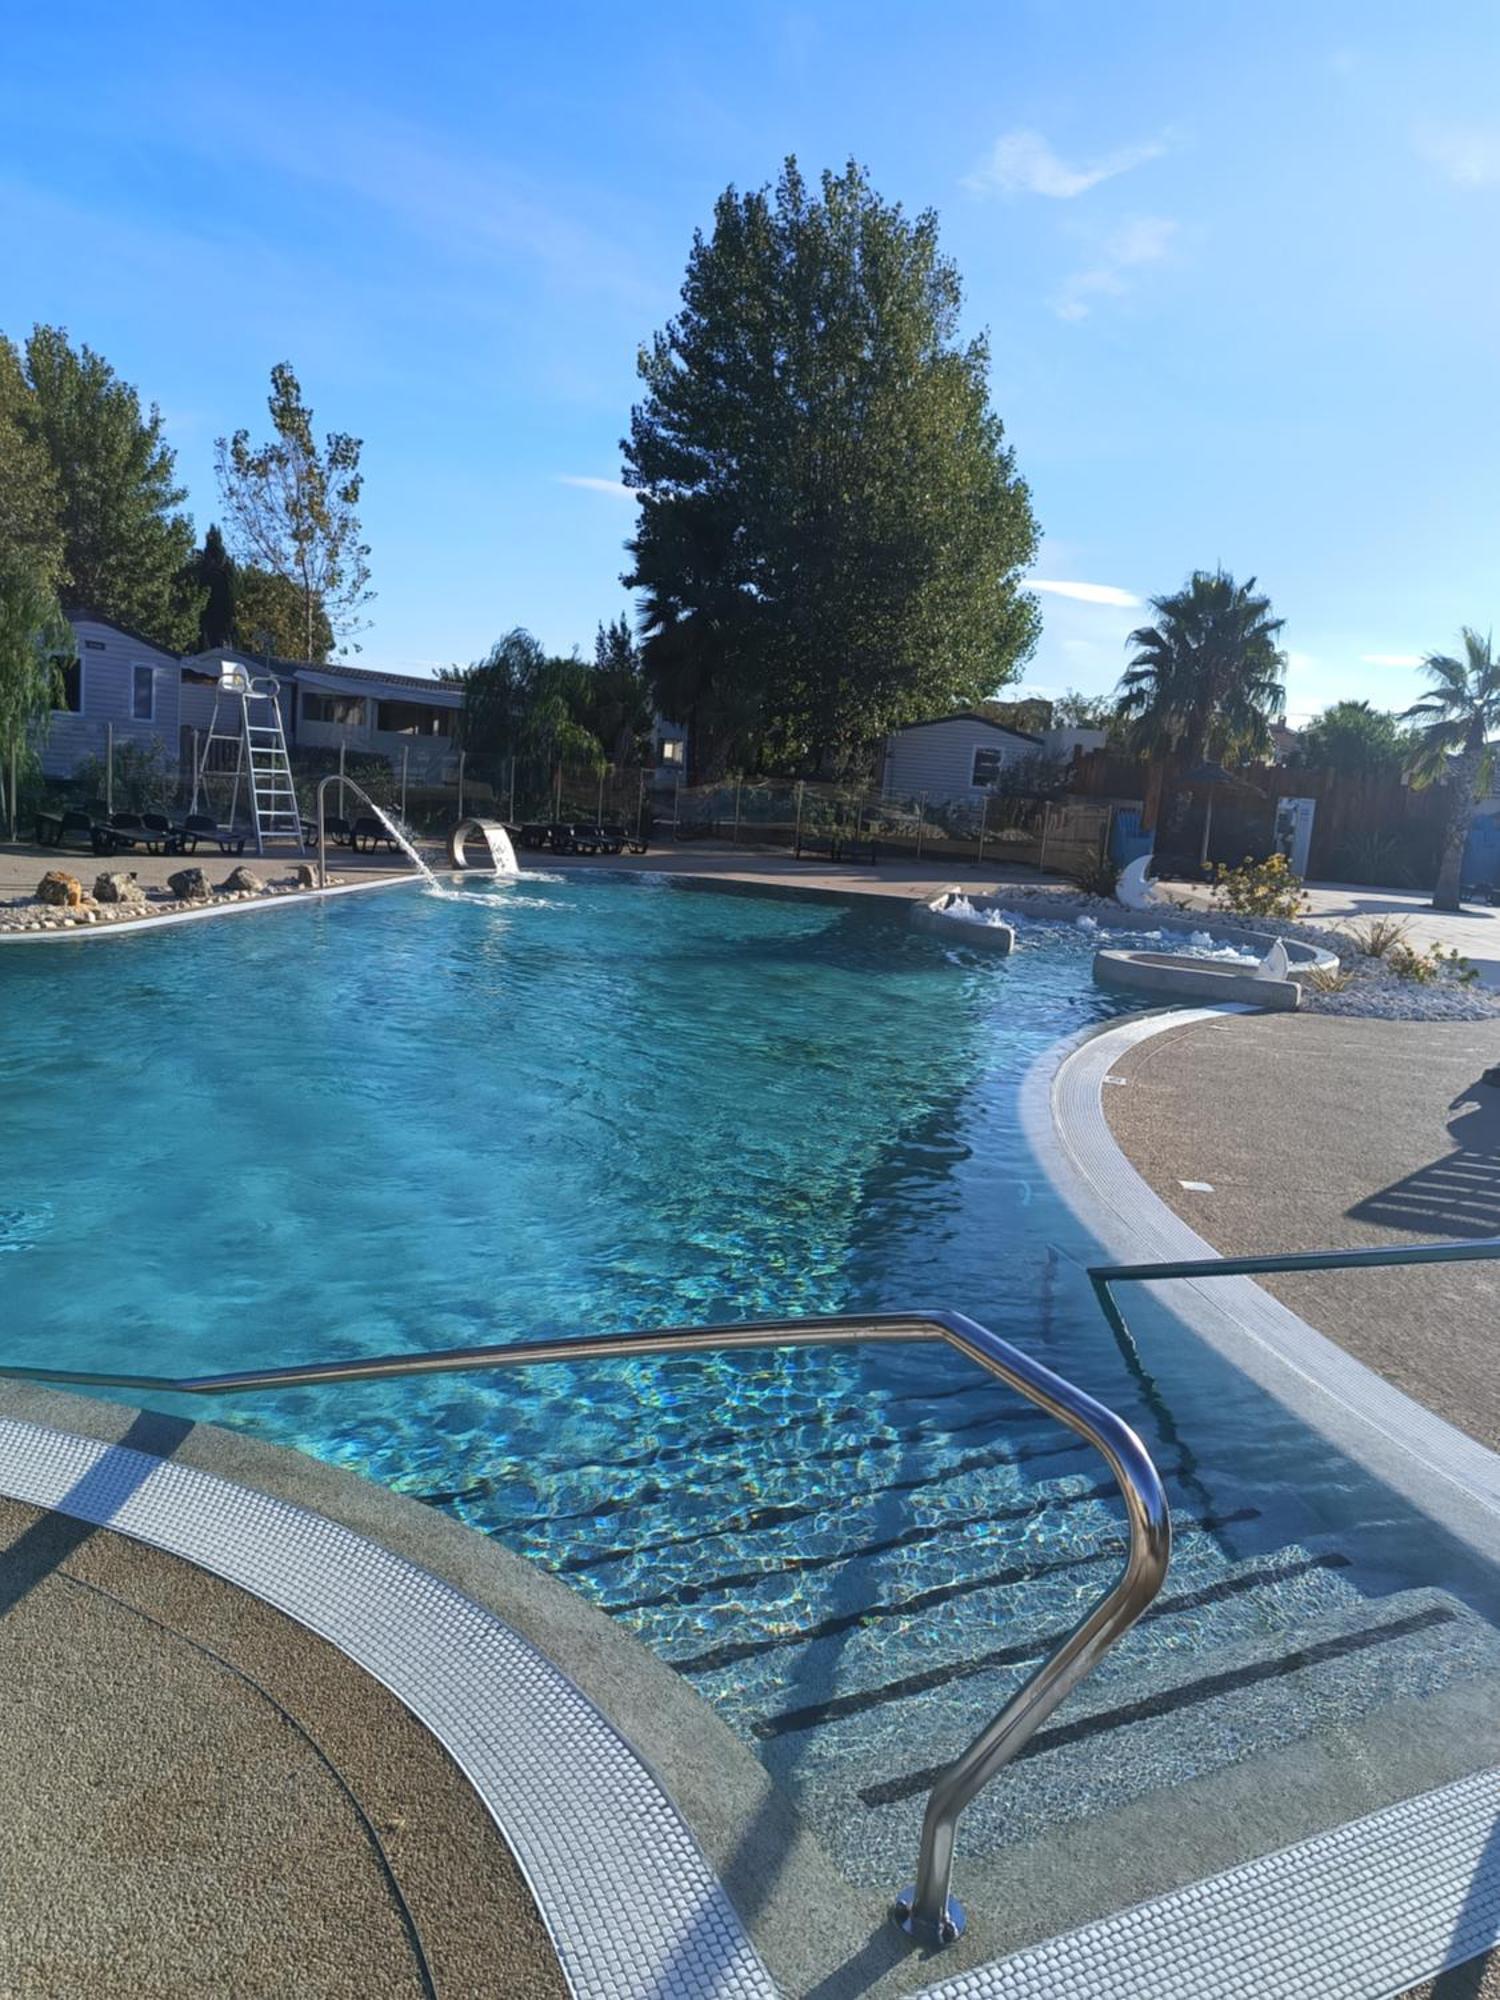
(1362,1913)
(632,1906)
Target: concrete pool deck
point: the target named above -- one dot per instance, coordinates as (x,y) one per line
(1314,1132)
(203,1797)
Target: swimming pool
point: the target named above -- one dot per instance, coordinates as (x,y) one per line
(569,1104)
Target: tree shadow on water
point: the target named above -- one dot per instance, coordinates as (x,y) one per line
(1457,1195)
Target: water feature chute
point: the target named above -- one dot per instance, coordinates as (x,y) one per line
(393,828)
(497,842)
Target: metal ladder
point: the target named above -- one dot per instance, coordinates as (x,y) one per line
(261,758)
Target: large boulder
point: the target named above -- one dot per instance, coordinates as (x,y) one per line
(190,885)
(241,881)
(115,885)
(60,888)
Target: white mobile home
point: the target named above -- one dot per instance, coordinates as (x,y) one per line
(953,757)
(358,709)
(117,685)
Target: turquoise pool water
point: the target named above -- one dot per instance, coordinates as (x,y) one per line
(571,1104)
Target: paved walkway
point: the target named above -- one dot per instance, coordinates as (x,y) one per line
(1314,1132)
(1474,931)
(203,1798)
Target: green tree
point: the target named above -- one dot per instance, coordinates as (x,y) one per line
(1206,678)
(293,512)
(270,616)
(1454,724)
(832,532)
(617,711)
(125,544)
(212,574)
(34,639)
(1072,710)
(1354,739)
(521,702)
(30,503)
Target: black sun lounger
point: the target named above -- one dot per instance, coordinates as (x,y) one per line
(199,826)
(368,834)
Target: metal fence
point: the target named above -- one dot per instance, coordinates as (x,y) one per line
(1055,835)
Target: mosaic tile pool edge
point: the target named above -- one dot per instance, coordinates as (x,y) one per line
(631,1903)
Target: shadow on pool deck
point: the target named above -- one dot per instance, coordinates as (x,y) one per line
(1457,1195)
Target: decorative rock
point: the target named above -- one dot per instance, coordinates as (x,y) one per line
(241,881)
(190,885)
(306,876)
(118,886)
(61,889)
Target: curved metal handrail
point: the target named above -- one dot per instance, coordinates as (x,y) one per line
(927,1911)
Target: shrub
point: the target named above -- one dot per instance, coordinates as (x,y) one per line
(1098,876)
(1259,888)
(1426,968)
(142,780)
(1380,936)
(1327,978)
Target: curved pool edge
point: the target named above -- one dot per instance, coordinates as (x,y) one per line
(1431,1463)
(660,1854)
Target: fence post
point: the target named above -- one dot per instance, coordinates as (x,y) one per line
(984,820)
(1046,828)
(13,755)
(676,803)
(342,814)
(557,794)
(109,767)
(921,821)
(193,796)
(599,815)
(797,830)
(738,783)
(462,755)
(640,807)
(511,815)
(405,753)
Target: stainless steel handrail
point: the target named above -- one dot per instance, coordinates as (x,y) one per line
(1382,1256)
(927,1911)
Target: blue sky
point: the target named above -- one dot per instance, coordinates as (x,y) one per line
(1238,264)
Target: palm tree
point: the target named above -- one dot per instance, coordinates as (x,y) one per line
(1455,723)
(1207,676)
(1205,679)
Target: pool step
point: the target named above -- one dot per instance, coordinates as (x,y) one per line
(1218,1694)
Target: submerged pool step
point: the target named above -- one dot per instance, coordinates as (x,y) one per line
(679,1476)
(1145,1724)
(869,1638)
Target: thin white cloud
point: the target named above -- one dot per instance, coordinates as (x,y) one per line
(1147,239)
(1391,659)
(1084,593)
(1023,162)
(590,484)
(1468,155)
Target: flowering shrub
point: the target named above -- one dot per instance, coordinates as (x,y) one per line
(1259,888)
(1426,968)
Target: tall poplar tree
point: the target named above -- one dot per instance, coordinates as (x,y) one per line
(832,532)
(293,512)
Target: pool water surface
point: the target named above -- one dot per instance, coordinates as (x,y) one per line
(564,1105)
